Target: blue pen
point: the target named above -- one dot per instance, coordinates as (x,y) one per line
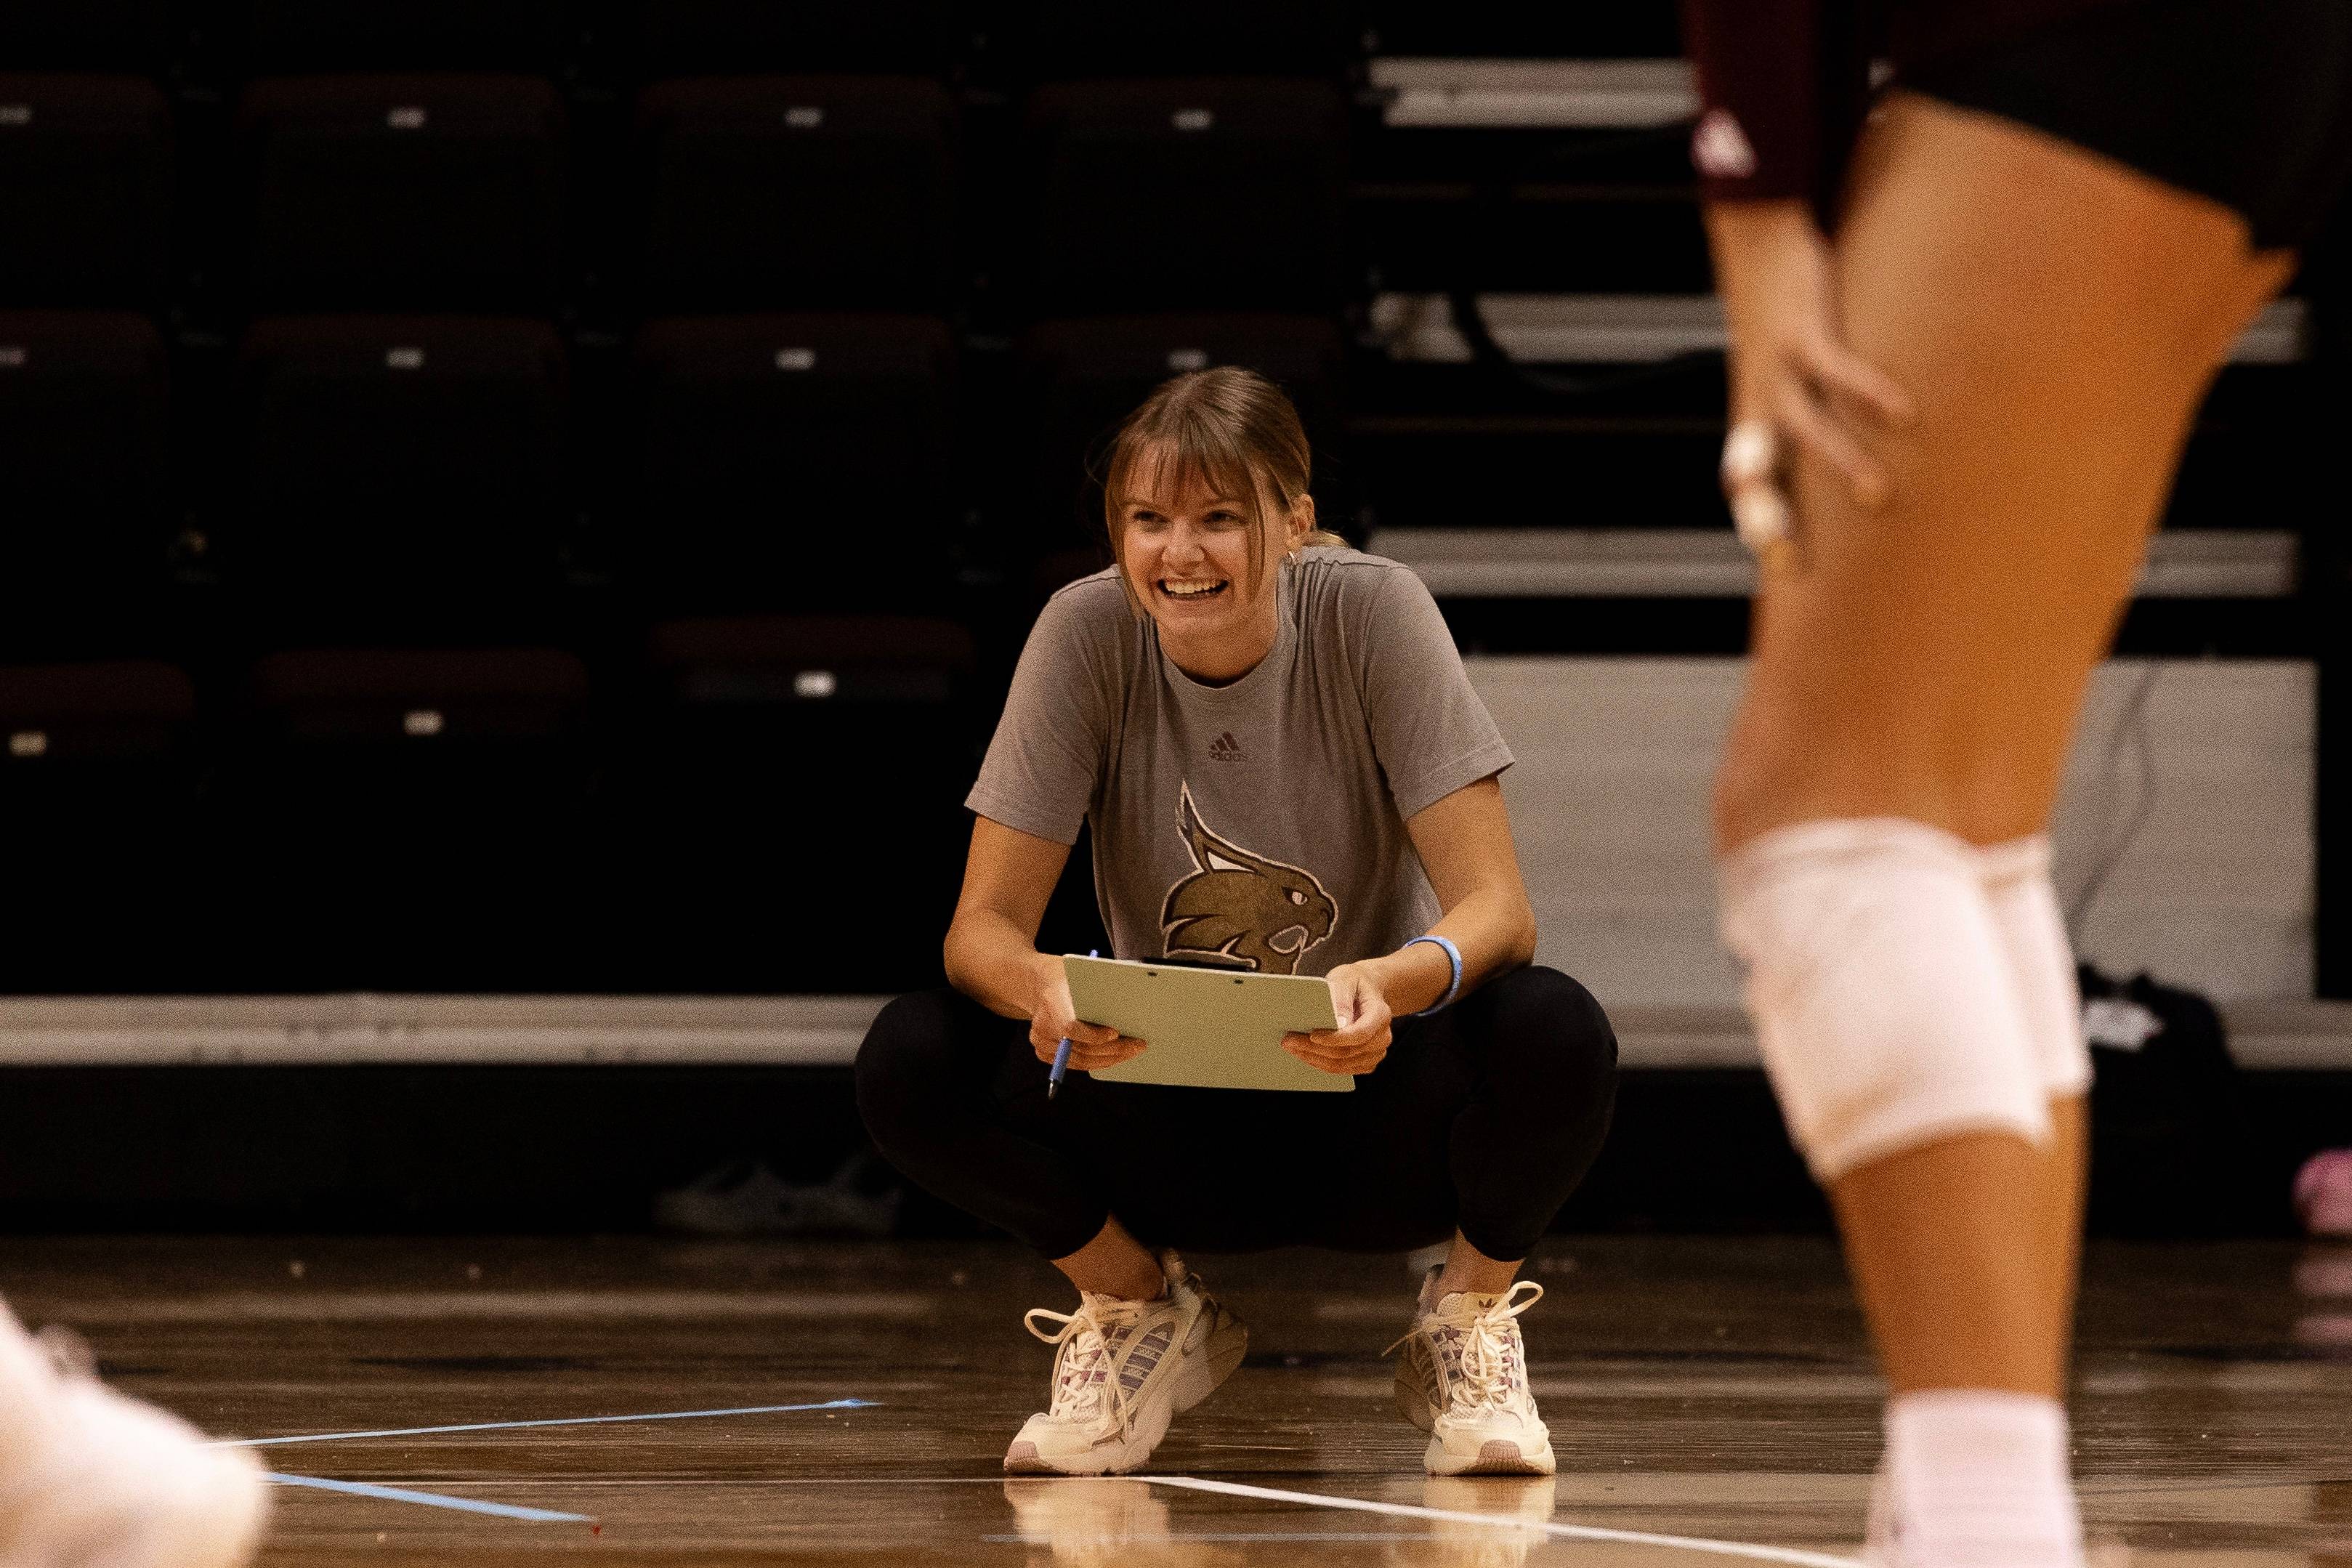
(1062,1054)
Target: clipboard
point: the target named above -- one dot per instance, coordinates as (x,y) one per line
(1207,1028)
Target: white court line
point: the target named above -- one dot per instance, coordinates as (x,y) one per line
(1261,1537)
(1190,1483)
(520,1426)
(1456,1516)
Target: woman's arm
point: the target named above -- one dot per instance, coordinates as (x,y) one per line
(1794,384)
(1465,842)
(1782,87)
(992,946)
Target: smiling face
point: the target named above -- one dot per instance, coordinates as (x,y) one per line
(1202,558)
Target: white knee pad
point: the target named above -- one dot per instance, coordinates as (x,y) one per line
(2032,928)
(1881,991)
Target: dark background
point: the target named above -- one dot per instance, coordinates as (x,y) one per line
(511,496)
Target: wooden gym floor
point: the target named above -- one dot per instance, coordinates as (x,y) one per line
(1714,1390)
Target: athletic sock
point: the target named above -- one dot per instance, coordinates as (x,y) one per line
(24,1398)
(1979,1478)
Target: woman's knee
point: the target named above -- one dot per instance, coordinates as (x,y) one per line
(1542,1114)
(1551,1037)
(905,1067)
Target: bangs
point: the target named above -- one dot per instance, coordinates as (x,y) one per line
(1165,456)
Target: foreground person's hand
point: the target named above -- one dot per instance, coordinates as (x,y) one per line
(1361,1039)
(1795,386)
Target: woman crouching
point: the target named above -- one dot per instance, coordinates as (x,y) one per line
(1285,771)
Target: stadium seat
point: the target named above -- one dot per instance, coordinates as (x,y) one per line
(713,37)
(86,192)
(405,818)
(58,717)
(1075,38)
(130,36)
(421,459)
(791,462)
(792,791)
(84,458)
(387,698)
(1207,193)
(1085,376)
(798,192)
(288,37)
(405,193)
(99,771)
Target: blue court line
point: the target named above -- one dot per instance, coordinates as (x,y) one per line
(432,1500)
(558,1421)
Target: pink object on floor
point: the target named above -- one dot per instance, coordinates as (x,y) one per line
(2323,1192)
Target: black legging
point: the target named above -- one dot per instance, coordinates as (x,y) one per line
(1483,1117)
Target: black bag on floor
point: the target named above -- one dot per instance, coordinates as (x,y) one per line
(2166,1117)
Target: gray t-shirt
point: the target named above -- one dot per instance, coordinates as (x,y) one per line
(1259,823)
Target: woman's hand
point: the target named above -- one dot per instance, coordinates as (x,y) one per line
(1361,1039)
(1794,384)
(1092,1046)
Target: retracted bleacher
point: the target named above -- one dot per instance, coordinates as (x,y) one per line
(524,497)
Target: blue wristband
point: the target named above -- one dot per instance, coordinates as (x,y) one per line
(1454,988)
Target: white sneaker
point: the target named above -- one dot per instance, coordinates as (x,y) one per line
(1463,1379)
(89,1478)
(1123,1371)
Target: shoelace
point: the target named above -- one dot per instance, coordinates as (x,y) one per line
(1480,1352)
(1082,1370)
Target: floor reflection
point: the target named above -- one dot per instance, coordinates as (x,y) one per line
(1104,1522)
(1457,1543)
(2322,1280)
(1089,1522)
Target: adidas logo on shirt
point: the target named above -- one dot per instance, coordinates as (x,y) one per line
(1225,749)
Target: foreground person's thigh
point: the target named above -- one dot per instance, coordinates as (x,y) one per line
(2057,319)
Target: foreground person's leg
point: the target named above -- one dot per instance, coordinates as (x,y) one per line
(2057,320)
(88,1475)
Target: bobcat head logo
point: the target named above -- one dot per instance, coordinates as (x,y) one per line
(1241,908)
